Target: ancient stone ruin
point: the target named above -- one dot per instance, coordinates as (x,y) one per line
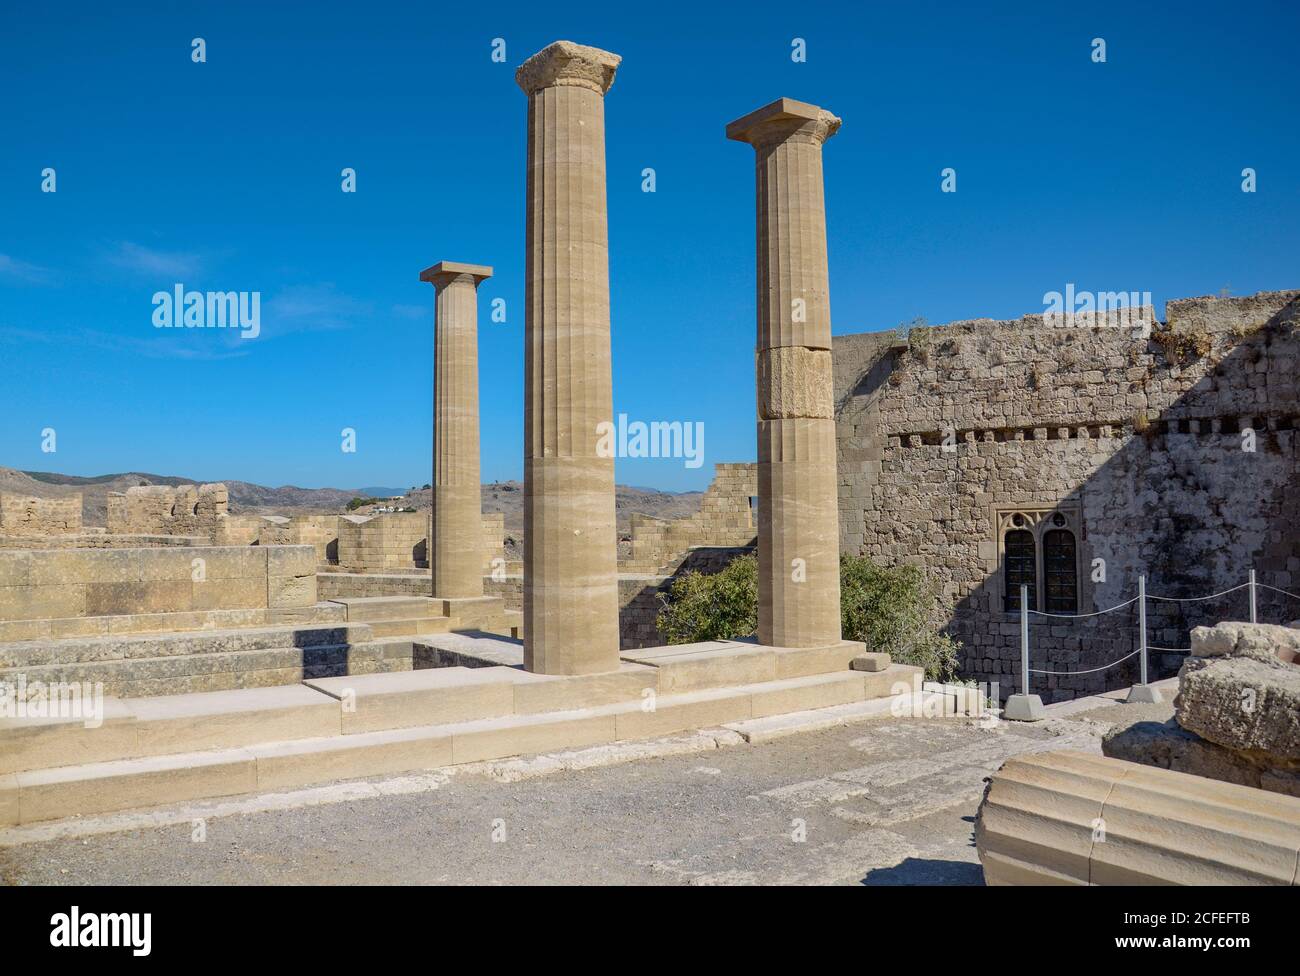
(1237,711)
(1075,458)
(233,654)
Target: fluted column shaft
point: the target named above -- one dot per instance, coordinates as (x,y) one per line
(456,538)
(798,523)
(570,595)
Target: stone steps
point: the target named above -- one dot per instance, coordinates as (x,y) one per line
(410,626)
(57,628)
(163,725)
(192,673)
(235,765)
(103,786)
(718,664)
(83,650)
(365,608)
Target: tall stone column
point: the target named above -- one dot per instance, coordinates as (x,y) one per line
(456,538)
(798,530)
(570,541)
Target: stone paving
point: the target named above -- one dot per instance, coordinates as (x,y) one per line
(881,802)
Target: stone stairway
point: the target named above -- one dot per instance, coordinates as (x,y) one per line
(348,636)
(413,616)
(138,665)
(185,747)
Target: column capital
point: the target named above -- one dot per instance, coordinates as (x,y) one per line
(444,272)
(565,63)
(782,120)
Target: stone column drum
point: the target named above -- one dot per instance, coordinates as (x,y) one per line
(798,530)
(456,537)
(570,542)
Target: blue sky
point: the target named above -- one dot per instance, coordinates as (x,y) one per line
(1122,176)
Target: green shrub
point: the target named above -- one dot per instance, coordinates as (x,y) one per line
(896,610)
(893,609)
(717,606)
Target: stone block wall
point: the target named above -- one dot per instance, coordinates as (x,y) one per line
(27,516)
(725,519)
(494,534)
(237,530)
(1134,443)
(320,531)
(94,537)
(168,510)
(383,543)
(57,584)
(399,541)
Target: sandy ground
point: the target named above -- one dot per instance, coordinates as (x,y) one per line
(883,802)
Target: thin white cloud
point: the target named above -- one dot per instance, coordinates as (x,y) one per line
(162,344)
(143,260)
(309,308)
(17,270)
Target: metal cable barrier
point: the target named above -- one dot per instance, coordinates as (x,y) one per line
(1143,647)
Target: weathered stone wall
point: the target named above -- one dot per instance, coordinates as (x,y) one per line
(725,519)
(167,510)
(97,538)
(400,541)
(946,440)
(56,584)
(494,534)
(237,530)
(320,531)
(382,543)
(27,516)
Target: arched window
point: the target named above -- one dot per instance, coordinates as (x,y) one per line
(1060,572)
(1020,562)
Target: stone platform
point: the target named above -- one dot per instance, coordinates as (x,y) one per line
(168,749)
(218,650)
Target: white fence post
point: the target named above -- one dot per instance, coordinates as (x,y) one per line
(1024,707)
(1024,639)
(1254,617)
(1143,692)
(1142,622)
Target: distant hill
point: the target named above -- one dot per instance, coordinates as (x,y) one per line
(247,498)
(507,497)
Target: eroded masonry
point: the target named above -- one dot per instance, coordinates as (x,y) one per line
(1072,458)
